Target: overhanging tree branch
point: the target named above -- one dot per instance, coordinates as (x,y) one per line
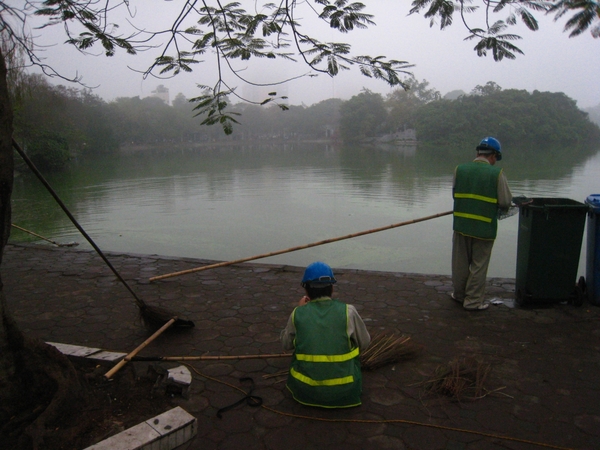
(231,32)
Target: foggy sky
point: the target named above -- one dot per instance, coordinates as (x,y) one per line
(552,61)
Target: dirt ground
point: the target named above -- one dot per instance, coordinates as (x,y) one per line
(110,407)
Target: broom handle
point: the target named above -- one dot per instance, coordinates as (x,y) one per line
(300,247)
(127,358)
(40,177)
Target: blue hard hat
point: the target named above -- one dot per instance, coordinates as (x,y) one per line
(318,274)
(490,144)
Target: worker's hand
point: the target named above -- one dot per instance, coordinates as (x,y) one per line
(304,300)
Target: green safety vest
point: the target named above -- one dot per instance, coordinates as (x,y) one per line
(325,369)
(476,200)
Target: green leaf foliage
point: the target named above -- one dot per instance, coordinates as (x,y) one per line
(212,106)
(92,18)
(486,30)
(403,104)
(345,16)
(49,151)
(515,117)
(586,16)
(79,117)
(363,116)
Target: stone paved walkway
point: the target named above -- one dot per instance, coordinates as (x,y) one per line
(546,359)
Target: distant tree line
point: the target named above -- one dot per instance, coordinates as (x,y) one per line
(55,123)
(515,117)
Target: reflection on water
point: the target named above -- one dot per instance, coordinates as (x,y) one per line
(233,202)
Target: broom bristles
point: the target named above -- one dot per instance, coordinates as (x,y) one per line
(156,317)
(388,348)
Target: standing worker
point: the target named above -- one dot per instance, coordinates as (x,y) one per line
(327,337)
(480,190)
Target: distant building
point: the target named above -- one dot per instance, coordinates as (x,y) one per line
(409,134)
(163,93)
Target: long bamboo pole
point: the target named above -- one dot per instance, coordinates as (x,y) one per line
(209,357)
(108,375)
(300,247)
(35,234)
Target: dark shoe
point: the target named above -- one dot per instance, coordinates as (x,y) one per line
(479,307)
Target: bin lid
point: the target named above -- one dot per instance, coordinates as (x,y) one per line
(545,203)
(594,201)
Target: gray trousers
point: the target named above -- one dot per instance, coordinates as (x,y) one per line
(470,261)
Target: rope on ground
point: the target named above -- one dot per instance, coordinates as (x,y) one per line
(372,421)
(251,400)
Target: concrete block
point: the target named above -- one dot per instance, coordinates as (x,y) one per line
(180,375)
(163,432)
(88,353)
(179,380)
(176,427)
(141,436)
(74,350)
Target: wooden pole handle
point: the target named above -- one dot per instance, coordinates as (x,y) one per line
(300,247)
(127,358)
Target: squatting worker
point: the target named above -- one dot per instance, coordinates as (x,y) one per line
(327,337)
(480,190)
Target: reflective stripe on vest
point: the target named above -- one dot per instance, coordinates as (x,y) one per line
(328,358)
(330,382)
(476,197)
(473,216)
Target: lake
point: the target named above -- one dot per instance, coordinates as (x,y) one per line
(230,202)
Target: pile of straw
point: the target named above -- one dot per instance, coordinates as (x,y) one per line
(388,348)
(461,379)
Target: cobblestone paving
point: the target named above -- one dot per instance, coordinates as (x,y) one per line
(545,360)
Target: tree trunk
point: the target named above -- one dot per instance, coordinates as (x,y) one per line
(37,383)
(8,332)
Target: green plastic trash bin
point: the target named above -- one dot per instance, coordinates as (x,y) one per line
(548,249)
(592,271)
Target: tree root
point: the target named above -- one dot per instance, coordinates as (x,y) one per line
(43,389)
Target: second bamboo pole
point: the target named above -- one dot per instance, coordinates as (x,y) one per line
(300,247)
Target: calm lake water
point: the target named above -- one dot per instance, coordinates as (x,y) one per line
(233,202)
